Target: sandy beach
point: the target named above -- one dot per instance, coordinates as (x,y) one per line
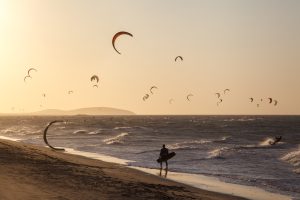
(33,172)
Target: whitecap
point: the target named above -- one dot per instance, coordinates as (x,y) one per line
(119,139)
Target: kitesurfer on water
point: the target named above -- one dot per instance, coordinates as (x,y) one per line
(276,140)
(164,152)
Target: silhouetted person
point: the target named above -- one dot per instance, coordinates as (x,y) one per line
(277,139)
(164,152)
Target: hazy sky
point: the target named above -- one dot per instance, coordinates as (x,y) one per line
(251,47)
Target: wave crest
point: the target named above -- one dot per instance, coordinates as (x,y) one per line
(293,158)
(194,144)
(119,139)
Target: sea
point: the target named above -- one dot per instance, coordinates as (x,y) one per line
(234,149)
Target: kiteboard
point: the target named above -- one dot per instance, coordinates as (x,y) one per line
(167,157)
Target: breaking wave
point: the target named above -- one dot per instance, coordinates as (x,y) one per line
(293,158)
(119,139)
(194,144)
(80,131)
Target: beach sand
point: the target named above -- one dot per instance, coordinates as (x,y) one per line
(34,172)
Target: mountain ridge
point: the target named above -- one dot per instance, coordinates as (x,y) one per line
(80,111)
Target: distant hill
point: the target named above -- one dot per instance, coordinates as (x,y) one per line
(85,111)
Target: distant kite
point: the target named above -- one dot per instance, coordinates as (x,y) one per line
(116,36)
(178,57)
(31,69)
(218,94)
(45,135)
(26,77)
(251,99)
(95,78)
(270,100)
(188,96)
(226,90)
(70,92)
(145,97)
(153,87)
(44,95)
(95,85)
(275,102)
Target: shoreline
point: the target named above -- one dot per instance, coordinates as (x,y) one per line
(33,172)
(198,181)
(195,180)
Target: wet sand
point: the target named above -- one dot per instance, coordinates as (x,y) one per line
(33,172)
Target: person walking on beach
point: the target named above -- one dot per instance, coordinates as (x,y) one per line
(164,152)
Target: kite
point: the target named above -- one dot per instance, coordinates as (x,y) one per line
(145,97)
(226,90)
(178,57)
(26,77)
(218,94)
(45,135)
(188,96)
(31,69)
(270,100)
(116,36)
(95,77)
(153,87)
(251,99)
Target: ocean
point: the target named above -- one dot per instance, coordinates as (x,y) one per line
(234,149)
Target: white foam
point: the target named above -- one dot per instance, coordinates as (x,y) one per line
(195,180)
(9,138)
(97,156)
(117,139)
(80,131)
(215,185)
(217,153)
(293,158)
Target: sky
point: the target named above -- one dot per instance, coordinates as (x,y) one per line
(251,47)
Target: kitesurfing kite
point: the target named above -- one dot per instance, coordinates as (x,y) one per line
(31,69)
(116,36)
(218,95)
(45,135)
(145,97)
(26,77)
(226,90)
(275,102)
(178,57)
(270,100)
(188,96)
(95,78)
(251,99)
(153,87)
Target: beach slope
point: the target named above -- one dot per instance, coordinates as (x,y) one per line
(33,172)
